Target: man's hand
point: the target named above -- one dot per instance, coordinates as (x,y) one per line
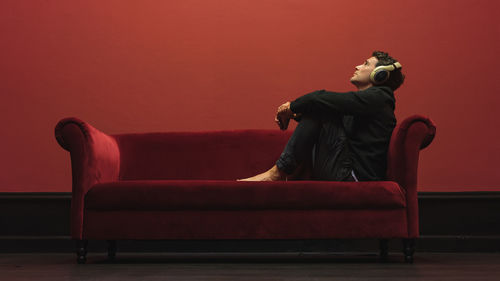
(283,115)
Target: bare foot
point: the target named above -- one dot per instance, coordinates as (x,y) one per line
(273,174)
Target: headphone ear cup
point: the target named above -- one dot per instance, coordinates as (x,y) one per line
(379,75)
(382,76)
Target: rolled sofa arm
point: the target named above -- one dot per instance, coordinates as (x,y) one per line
(413,134)
(95,158)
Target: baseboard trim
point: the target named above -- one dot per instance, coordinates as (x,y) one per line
(431,243)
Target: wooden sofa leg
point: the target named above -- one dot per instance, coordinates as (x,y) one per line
(384,249)
(409,249)
(81,251)
(111,249)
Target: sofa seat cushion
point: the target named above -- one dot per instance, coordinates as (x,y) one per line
(243,195)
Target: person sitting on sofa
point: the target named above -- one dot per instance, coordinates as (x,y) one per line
(341,136)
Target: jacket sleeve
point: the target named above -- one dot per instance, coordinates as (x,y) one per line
(365,102)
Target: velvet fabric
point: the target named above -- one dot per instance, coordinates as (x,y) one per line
(210,155)
(245,224)
(234,195)
(182,185)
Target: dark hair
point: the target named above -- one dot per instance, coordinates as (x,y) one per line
(396,78)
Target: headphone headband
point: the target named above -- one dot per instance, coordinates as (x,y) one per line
(390,67)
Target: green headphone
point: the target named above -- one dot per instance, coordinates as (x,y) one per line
(381,73)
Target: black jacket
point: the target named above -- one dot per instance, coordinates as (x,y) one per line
(368,117)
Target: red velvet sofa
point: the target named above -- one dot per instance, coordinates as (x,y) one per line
(182,185)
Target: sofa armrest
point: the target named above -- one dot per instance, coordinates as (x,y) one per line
(414,134)
(95,158)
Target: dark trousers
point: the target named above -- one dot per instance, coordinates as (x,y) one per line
(319,148)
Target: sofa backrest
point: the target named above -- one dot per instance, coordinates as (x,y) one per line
(217,155)
(232,154)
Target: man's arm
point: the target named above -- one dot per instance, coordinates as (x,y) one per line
(366,102)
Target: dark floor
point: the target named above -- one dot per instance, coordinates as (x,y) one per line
(250,266)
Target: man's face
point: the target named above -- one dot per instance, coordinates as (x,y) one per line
(361,76)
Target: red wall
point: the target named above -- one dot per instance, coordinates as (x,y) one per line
(142,66)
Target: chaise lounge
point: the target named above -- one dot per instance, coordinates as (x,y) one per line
(182,185)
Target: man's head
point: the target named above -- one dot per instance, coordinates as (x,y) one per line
(361,77)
